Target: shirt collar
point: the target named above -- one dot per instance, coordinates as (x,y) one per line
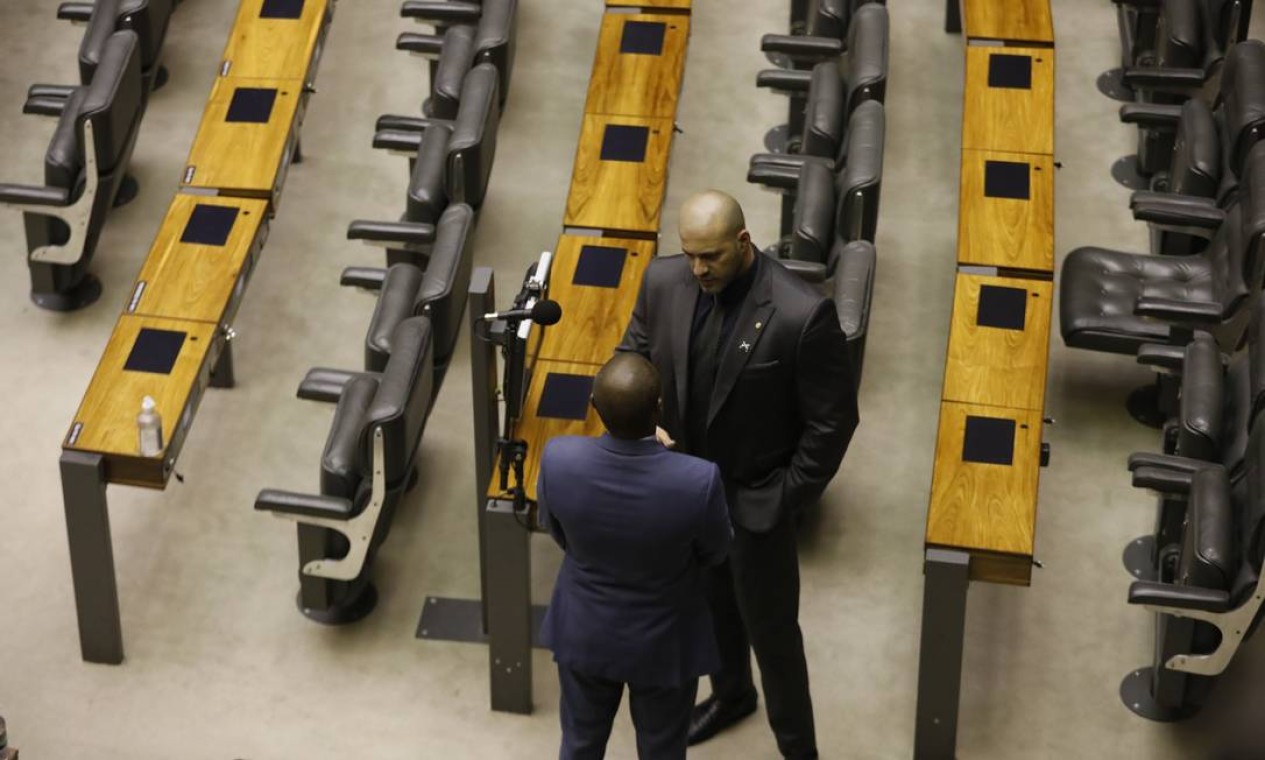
(626,446)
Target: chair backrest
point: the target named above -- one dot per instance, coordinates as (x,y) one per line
(428,184)
(854,264)
(1235,249)
(866,63)
(495,40)
(113,102)
(454,64)
(1179,34)
(1243,101)
(472,149)
(1251,522)
(829,18)
(446,282)
(401,403)
(147,18)
(858,186)
(1196,165)
(1202,405)
(812,225)
(1226,21)
(823,111)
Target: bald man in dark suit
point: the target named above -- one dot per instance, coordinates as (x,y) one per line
(757,379)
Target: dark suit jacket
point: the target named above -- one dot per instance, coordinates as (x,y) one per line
(784,407)
(637,523)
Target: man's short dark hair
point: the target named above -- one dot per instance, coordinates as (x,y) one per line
(626,395)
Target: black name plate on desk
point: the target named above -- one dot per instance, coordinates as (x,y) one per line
(209,225)
(599,266)
(621,142)
(252,105)
(281,9)
(1002,307)
(1010,71)
(1007,179)
(565,396)
(642,38)
(989,440)
(155,351)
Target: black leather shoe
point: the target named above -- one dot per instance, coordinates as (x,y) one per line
(711,716)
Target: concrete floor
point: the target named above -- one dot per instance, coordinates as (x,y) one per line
(220,665)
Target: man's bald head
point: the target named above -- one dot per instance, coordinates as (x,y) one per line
(714,236)
(711,213)
(626,396)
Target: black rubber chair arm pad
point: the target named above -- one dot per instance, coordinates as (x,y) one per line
(1168,482)
(444,11)
(396,139)
(1178,597)
(50,91)
(1177,211)
(33,195)
(782,177)
(808,271)
(1140,459)
(74,12)
(1163,78)
(391,232)
(1188,201)
(802,46)
(1151,115)
(423,44)
(306,505)
(784,79)
(370,278)
(44,106)
(396,123)
(1173,310)
(1162,356)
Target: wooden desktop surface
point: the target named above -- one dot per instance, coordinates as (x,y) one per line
(1006,232)
(619,195)
(638,83)
(274,48)
(1008,20)
(999,366)
(193,280)
(677,5)
(243,157)
(537,430)
(1008,119)
(593,317)
(106,420)
(989,509)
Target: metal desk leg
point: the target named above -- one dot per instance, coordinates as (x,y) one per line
(509,607)
(940,654)
(483,378)
(952,16)
(91,557)
(222,373)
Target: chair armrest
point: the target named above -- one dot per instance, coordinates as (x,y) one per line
(1151,115)
(1162,356)
(403,233)
(446,12)
(1163,78)
(781,177)
(397,140)
(303,505)
(808,271)
(1190,201)
(1177,211)
(1168,482)
(396,123)
(791,160)
(50,91)
(1139,459)
(1176,597)
(784,79)
(1174,310)
(325,384)
(33,195)
(44,106)
(802,47)
(77,12)
(370,278)
(430,45)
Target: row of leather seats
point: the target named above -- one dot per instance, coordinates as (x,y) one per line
(85,165)
(368,460)
(1192,308)
(829,168)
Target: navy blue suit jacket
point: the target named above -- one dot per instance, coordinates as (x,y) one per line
(638,523)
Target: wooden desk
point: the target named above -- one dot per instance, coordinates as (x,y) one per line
(593,315)
(249,155)
(536,429)
(1006,210)
(619,195)
(659,5)
(1006,115)
(998,354)
(985,508)
(200,262)
(280,45)
(639,64)
(1012,21)
(105,423)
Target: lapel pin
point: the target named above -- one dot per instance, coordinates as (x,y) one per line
(744,346)
(758,325)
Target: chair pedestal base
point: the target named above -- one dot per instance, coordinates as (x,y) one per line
(1111,83)
(1144,406)
(86,292)
(1139,558)
(1135,692)
(1125,171)
(343,614)
(128,190)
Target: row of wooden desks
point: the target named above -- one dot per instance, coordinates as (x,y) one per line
(981,516)
(172,340)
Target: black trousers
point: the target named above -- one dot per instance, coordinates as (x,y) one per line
(660,715)
(754,596)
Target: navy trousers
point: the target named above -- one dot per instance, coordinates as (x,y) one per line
(661,716)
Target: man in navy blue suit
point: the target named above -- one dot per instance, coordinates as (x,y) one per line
(638,524)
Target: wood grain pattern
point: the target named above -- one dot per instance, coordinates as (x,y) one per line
(1008,119)
(193,281)
(996,366)
(620,196)
(634,84)
(243,158)
(1010,569)
(1006,232)
(985,507)
(107,414)
(681,5)
(274,48)
(537,430)
(1008,20)
(593,318)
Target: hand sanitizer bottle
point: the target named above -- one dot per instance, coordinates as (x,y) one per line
(150,426)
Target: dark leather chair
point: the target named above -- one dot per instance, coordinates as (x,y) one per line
(496,28)
(367,465)
(85,174)
(854,265)
(451,163)
(147,18)
(451,57)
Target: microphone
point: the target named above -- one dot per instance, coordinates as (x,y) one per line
(544,312)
